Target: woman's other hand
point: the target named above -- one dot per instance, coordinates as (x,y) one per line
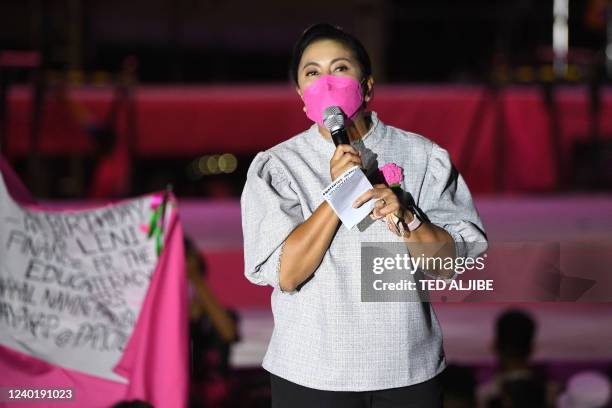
(386,201)
(387,206)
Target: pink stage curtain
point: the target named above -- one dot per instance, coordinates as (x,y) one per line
(497,142)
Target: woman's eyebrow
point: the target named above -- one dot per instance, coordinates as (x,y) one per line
(339,59)
(331,63)
(310,63)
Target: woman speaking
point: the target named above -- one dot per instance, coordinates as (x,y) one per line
(329,348)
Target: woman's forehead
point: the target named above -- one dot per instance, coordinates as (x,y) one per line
(325,50)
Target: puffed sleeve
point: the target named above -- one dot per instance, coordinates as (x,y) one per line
(447,203)
(270,211)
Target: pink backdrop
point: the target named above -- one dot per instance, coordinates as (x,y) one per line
(510,138)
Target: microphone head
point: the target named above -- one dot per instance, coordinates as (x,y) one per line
(333,118)
(332,110)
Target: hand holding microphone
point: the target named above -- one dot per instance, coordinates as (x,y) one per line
(345,156)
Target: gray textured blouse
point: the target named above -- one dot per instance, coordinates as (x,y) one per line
(324,336)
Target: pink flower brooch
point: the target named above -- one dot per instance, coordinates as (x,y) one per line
(393,174)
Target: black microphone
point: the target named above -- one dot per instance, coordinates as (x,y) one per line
(334,122)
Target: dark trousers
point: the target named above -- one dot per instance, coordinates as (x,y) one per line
(286,394)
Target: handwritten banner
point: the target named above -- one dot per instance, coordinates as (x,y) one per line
(72,282)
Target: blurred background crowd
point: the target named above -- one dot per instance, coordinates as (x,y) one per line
(102,100)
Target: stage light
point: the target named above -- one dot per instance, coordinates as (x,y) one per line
(202,165)
(560,36)
(212,164)
(193,170)
(228,163)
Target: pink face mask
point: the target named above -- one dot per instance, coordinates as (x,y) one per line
(332,90)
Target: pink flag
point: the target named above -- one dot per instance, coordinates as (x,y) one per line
(15,186)
(154,360)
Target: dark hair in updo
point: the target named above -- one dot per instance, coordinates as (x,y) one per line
(324,31)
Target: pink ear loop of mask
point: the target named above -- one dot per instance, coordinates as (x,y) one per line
(364,92)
